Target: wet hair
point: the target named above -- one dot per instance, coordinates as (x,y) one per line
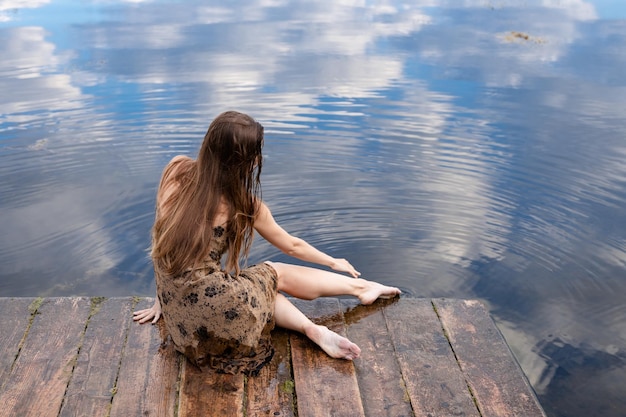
(227,170)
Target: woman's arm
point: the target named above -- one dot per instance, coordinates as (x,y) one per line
(294,246)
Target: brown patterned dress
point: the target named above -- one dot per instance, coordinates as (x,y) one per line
(219,320)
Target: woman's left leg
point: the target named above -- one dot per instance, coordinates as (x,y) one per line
(310,283)
(289,317)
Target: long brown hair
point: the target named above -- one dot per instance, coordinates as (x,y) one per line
(227,169)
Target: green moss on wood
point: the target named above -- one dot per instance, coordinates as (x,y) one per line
(34,306)
(96,303)
(287,387)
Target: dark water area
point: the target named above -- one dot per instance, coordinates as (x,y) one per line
(468,149)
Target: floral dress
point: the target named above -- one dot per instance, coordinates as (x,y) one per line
(219,320)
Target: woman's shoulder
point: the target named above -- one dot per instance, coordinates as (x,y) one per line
(177,164)
(179,160)
(173,174)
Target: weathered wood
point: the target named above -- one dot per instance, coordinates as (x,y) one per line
(271,393)
(377,370)
(324,386)
(42,371)
(496,380)
(74,363)
(207,393)
(16,314)
(433,379)
(93,382)
(148,374)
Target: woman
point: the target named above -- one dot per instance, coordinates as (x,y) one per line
(221,317)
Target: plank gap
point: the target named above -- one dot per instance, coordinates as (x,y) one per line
(149,372)
(403,383)
(94,306)
(456,358)
(396,355)
(244,396)
(17,318)
(75,358)
(33,308)
(179,383)
(294,396)
(133,303)
(402,376)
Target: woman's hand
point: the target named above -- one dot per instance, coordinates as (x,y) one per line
(153,313)
(343,265)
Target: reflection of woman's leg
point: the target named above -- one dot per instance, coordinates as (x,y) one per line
(289,317)
(310,283)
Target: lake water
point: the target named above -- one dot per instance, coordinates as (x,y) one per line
(468,149)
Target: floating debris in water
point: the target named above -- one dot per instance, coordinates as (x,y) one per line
(514,36)
(39,145)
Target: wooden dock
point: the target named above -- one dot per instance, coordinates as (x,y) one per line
(420,357)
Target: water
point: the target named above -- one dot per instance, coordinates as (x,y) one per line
(466,149)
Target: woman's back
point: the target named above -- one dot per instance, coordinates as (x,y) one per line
(222,185)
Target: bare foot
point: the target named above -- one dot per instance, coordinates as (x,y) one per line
(334,345)
(374,290)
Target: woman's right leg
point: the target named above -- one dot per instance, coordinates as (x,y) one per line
(310,283)
(289,317)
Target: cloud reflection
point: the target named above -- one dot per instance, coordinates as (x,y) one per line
(10,8)
(485,157)
(31,78)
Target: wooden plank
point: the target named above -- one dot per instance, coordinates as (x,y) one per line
(433,379)
(16,314)
(271,393)
(498,383)
(43,369)
(148,375)
(204,392)
(324,386)
(378,373)
(407,365)
(92,386)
